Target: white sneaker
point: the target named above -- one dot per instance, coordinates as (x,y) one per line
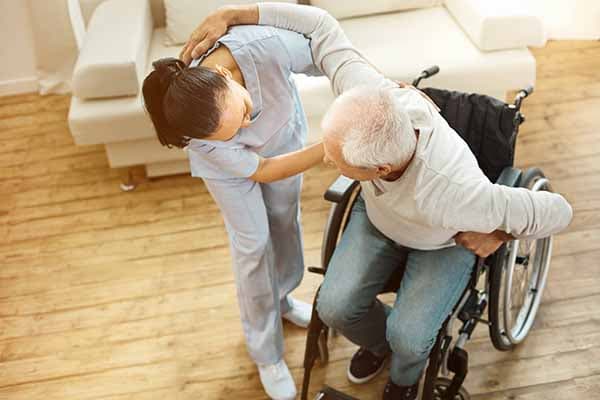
(277,381)
(299,313)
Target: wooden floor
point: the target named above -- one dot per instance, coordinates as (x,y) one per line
(130,296)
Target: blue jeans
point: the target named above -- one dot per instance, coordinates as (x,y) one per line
(432,284)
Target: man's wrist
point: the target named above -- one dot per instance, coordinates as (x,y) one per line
(503,236)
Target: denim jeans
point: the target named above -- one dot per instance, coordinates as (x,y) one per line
(432,284)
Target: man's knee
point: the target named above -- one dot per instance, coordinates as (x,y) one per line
(409,339)
(336,310)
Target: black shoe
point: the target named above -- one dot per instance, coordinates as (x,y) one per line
(395,392)
(365,366)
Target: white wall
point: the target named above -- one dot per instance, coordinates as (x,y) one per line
(17,54)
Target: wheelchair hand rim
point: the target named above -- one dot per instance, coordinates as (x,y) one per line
(517,331)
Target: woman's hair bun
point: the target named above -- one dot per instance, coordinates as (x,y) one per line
(168,69)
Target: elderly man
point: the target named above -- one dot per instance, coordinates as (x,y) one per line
(422,192)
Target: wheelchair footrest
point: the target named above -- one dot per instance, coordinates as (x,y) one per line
(328,393)
(458,363)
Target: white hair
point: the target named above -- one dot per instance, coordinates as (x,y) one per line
(374,129)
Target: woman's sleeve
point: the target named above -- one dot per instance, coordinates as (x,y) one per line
(214,162)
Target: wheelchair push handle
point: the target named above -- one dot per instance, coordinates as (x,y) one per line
(427,73)
(523,93)
(434,69)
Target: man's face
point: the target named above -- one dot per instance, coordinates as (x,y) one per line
(334,157)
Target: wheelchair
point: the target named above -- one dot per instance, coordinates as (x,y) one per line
(508,284)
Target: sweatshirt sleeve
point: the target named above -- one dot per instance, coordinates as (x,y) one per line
(332,51)
(480,206)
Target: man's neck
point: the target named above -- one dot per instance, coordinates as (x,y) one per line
(395,175)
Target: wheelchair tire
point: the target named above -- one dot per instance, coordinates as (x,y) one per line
(339,215)
(513,260)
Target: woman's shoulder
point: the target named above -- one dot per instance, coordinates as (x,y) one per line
(243,35)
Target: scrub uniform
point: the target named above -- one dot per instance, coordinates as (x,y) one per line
(262,219)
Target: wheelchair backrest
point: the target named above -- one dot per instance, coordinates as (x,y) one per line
(488,125)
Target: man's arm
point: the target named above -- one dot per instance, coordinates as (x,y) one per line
(332,51)
(214,26)
(478,205)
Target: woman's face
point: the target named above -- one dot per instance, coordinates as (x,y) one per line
(237,109)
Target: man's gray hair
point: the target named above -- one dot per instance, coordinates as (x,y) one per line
(373,127)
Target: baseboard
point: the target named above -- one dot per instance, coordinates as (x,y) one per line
(18,86)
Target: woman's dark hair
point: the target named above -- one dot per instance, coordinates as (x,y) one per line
(183,102)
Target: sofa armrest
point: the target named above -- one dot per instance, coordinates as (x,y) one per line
(496,25)
(112,60)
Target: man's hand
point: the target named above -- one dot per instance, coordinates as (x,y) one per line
(482,244)
(214,26)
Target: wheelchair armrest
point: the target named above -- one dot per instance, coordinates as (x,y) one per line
(509,177)
(341,189)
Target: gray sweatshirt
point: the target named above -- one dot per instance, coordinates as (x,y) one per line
(443,191)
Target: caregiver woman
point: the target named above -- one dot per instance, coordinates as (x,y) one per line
(237,110)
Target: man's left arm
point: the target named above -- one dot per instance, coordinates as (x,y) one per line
(483,207)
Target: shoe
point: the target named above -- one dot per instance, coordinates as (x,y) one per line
(365,366)
(277,381)
(299,313)
(395,392)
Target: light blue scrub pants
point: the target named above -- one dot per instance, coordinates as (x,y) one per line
(265,238)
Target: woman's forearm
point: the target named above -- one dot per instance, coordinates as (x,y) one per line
(290,164)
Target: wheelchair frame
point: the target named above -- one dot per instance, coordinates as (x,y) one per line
(446,354)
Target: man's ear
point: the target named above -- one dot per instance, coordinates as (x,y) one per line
(246,121)
(223,71)
(383,170)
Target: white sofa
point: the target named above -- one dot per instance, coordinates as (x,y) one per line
(479,48)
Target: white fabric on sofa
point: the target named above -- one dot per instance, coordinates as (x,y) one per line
(351,8)
(112,61)
(496,25)
(183,16)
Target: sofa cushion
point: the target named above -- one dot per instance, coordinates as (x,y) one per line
(157,6)
(112,61)
(403,44)
(354,8)
(183,16)
(497,25)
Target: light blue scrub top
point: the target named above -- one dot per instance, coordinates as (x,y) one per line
(267,57)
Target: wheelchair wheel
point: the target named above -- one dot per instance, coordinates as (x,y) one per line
(338,219)
(518,278)
(440,387)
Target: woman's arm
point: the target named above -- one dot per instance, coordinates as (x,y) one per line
(332,51)
(290,164)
